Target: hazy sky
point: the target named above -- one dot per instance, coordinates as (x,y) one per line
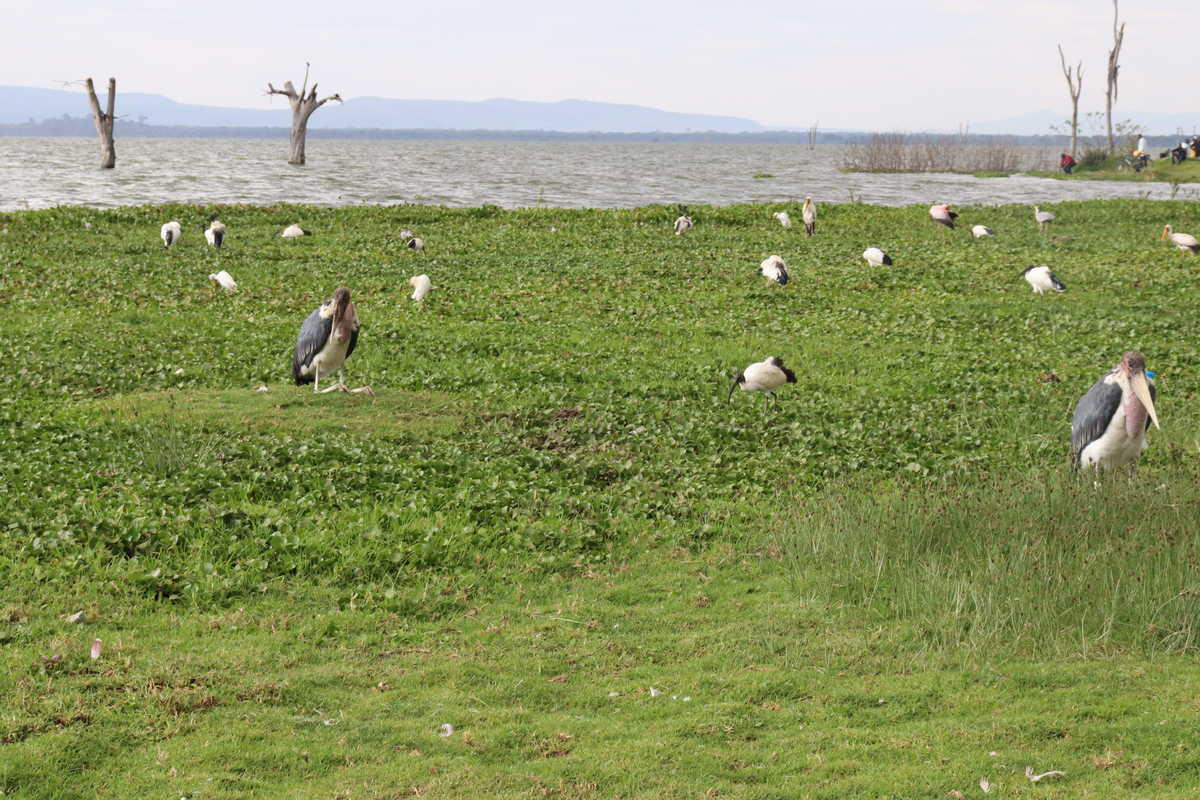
(863,64)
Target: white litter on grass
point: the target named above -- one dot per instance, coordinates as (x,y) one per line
(993,753)
(1035,778)
(654,692)
(329,723)
(96,644)
(263,389)
(687,698)
(76,618)
(446,730)
(614,694)
(179,371)
(985,784)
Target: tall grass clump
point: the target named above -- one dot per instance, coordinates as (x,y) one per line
(899,152)
(1041,565)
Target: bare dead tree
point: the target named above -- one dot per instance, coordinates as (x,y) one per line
(812,135)
(1113,68)
(1074,86)
(104,122)
(303,105)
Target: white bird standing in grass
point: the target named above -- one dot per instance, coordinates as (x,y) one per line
(170,233)
(982,231)
(416,244)
(225,280)
(294,232)
(215,233)
(1043,218)
(421,286)
(683,225)
(773,269)
(942,215)
(327,338)
(809,213)
(783,218)
(1184,241)
(1043,280)
(1111,420)
(876,257)
(763,376)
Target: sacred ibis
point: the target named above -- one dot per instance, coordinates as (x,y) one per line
(773,269)
(981,231)
(943,215)
(784,219)
(876,257)
(809,212)
(1042,279)
(327,338)
(1184,241)
(1043,218)
(294,232)
(683,225)
(421,286)
(763,376)
(416,243)
(170,233)
(224,279)
(1111,420)
(214,234)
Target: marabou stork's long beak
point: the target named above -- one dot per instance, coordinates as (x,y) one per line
(1141,390)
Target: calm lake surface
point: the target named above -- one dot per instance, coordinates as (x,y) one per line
(39,173)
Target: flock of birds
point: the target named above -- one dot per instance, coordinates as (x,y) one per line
(1108,429)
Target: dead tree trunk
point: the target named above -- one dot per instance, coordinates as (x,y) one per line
(1074,86)
(104,122)
(1113,68)
(303,105)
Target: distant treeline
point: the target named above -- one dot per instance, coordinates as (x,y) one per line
(83,126)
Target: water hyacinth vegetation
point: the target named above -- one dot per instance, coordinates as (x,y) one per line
(889,584)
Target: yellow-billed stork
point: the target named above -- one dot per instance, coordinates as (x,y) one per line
(809,213)
(1184,241)
(942,214)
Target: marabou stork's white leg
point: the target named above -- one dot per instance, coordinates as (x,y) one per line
(316,378)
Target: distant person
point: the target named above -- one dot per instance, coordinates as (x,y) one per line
(1195,147)
(1066,163)
(1141,145)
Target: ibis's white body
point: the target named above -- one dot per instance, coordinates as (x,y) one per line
(421,286)
(214,233)
(1043,280)
(774,269)
(224,279)
(1184,241)
(170,233)
(763,376)
(981,231)
(292,232)
(683,225)
(416,243)
(876,257)
(783,218)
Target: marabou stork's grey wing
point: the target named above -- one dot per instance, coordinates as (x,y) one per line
(353,339)
(314,333)
(1093,412)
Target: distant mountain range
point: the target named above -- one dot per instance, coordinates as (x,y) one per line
(22,104)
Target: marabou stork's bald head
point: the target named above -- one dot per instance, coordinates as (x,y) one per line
(1131,374)
(344,314)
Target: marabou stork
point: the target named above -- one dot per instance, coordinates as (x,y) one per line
(809,212)
(683,225)
(763,376)
(1043,218)
(327,338)
(214,234)
(1111,420)
(224,279)
(170,233)
(876,257)
(294,232)
(784,219)
(943,215)
(421,286)
(981,231)
(1042,279)
(1184,241)
(773,269)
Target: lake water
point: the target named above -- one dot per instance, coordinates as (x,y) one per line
(38,173)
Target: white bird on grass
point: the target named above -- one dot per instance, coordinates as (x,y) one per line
(416,244)
(421,286)
(876,257)
(942,214)
(1111,420)
(763,376)
(809,213)
(1043,218)
(683,225)
(1043,280)
(327,338)
(1184,241)
(982,231)
(773,269)
(170,233)
(215,233)
(225,280)
(294,232)
(783,218)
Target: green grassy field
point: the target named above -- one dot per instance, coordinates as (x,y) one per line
(1159,169)
(551,531)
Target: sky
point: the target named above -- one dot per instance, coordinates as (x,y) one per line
(919,65)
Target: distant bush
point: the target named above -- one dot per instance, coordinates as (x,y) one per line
(898,152)
(1093,158)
